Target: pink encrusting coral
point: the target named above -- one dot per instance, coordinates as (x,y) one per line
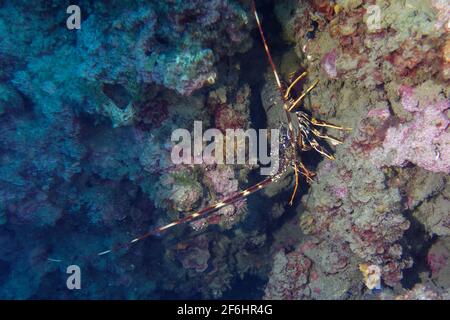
(380,113)
(222,183)
(443,13)
(329,63)
(419,292)
(289,277)
(195,254)
(351,204)
(409,100)
(438,262)
(314,270)
(424,140)
(228,118)
(387,80)
(222,180)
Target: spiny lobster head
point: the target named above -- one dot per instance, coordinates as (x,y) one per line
(286,151)
(303,119)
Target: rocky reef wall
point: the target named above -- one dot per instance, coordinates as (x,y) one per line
(85,153)
(383,70)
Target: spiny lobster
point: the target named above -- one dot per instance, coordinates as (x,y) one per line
(305,137)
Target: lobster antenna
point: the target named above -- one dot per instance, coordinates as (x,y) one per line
(266,47)
(201,213)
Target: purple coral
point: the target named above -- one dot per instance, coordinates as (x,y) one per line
(222,183)
(314,270)
(222,180)
(289,277)
(329,63)
(424,140)
(409,101)
(420,292)
(196,254)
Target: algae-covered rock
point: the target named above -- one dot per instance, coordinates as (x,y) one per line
(434,213)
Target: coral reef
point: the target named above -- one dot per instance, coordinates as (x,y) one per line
(195,255)
(425,140)
(419,292)
(162,44)
(289,276)
(388,82)
(314,270)
(434,213)
(86,118)
(350,204)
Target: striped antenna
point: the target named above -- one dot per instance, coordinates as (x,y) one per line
(266,47)
(198,214)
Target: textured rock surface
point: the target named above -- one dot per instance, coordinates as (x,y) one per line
(85,123)
(389,85)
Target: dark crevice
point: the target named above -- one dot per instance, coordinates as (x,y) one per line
(251,287)
(254,65)
(417,243)
(118,94)
(5,269)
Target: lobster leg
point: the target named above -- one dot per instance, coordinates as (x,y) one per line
(320,149)
(303,95)
(288,90)
(334,141)
(295,187)
(321,123)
